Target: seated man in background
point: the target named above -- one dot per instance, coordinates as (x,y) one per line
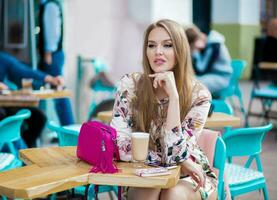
(211,59)
(270,47)
(12,69)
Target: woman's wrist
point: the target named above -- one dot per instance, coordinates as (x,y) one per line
(174,96)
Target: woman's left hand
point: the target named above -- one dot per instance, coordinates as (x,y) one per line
(166,81)
(195,171)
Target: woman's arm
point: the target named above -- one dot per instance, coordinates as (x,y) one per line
(121,117)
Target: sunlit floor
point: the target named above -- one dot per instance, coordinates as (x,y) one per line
(268,156)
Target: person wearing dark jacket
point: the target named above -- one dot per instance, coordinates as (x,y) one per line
(211,59)
(51,51)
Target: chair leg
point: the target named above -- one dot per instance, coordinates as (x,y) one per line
(53,196)
(265,192)
(242,110)
(249,112)
(4,198)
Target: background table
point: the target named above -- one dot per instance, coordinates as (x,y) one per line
(268,65)
(18,101)
(21,99)
(51,94)
(217,119)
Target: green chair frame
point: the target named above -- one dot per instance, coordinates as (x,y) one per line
(245,142)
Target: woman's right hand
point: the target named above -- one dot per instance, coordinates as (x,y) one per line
(195,171)
(56,81)
(3,86)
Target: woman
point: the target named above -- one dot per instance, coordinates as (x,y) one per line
(168,103)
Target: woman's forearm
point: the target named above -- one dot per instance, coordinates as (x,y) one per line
(173,113)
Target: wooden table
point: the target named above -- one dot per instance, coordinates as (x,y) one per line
(55,169)
(51,94)
(268,65)
(18,101)
(21,99)
(217,119)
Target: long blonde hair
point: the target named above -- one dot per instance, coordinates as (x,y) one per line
(145,105)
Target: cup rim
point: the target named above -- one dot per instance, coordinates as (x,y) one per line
(140,134)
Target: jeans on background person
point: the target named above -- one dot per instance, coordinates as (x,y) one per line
(63,106)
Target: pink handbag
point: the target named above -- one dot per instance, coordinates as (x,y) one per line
(97,146)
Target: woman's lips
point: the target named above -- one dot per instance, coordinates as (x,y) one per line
(159,61)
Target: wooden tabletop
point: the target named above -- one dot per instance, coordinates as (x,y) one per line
(20,98)
(51,94)
(55,169)
(268,65)
(217,119)
(18,101)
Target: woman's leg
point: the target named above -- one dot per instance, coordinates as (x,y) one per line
(143,194)
(184,190)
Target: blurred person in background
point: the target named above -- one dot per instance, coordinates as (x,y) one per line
(211,59)
(51,51)
(270,47)
(13,70)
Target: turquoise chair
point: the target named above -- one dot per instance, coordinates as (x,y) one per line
(222,106)
(219,163)
(267,95)
(10,132)
(245,142)
(68,136)
(234,88)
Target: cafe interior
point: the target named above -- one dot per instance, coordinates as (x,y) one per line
(42,109)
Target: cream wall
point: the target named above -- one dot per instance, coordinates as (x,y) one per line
(100,29)
(111,30)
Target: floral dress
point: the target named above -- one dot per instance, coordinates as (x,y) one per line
(166,147)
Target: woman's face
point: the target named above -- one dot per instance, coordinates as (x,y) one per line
(160,51)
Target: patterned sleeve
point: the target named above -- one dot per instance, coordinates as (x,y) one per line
(121,120)
(180,141)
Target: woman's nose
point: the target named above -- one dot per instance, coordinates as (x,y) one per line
(159,50)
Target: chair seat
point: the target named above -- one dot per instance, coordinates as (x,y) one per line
(267,92)
(5,160)
(9,161)
(238,174)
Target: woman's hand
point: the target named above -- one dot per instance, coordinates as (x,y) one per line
(3,86)
(56,81)
(195,171)
(166,81)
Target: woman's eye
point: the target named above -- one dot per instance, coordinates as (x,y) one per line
(168,45)
(151,45)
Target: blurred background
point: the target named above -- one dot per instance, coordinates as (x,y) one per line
(113,31)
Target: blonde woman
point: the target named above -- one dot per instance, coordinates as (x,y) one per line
(168,103)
